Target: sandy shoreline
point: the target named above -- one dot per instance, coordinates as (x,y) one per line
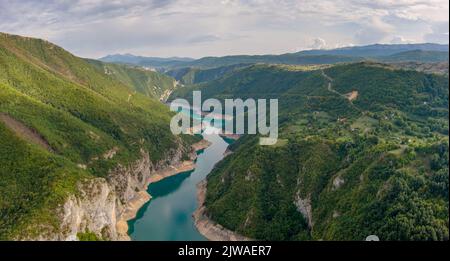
(208,228)
(231,136)
(203,144)
(143,197)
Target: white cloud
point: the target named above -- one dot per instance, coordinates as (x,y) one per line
(318,43)
(400,40)
(438,33)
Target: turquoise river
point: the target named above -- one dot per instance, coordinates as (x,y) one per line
(168,215)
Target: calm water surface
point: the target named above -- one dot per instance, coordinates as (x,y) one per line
(168,215)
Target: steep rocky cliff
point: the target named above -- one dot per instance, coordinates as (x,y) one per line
(101,203)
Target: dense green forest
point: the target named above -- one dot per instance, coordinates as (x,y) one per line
(363,146)
(144,81)
(78,113)
(417,55)
(363,150)
(190,75)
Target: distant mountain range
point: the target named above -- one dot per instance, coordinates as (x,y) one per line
(145,61)
(427,52)
(376,50)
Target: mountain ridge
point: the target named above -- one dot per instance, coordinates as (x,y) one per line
(144,61)
(106,140)
(343,169)
(379,49)
(321,56)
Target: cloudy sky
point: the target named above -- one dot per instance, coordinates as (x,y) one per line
(196,28)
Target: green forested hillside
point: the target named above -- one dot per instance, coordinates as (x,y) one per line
(290,58)
(417,55)
(435,68)
(150,83)
(189,75)
(82,114)
(363,147)
(363,150)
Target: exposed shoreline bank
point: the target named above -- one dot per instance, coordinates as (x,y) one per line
(234,137)
(133,205)
(207,227)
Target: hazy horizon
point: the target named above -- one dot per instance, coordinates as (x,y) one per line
(187,57)
(180,28)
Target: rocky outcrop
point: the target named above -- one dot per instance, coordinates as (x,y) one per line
(338,182)
(94,209)
(201,145)
(102,206)
(130,212)
(207,227)
(304,207)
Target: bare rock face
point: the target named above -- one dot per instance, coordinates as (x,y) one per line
(102,205)
(336,214)
(93,210)
(127,181)
(338,182)
(304,207)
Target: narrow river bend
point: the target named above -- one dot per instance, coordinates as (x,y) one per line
(168,215)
